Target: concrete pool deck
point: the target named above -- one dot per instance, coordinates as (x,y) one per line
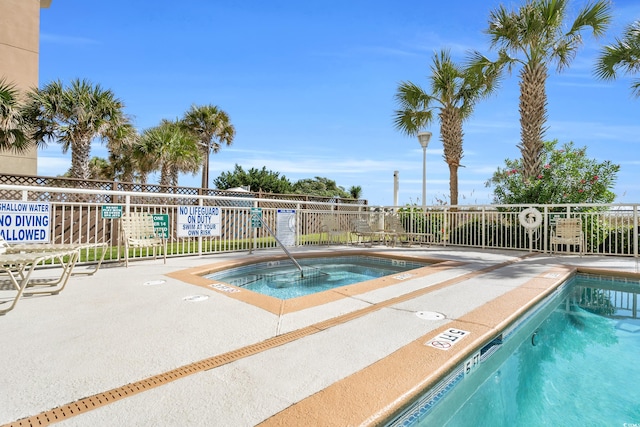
(138,346)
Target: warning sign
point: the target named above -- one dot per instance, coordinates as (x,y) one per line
(111,211)
(24,222)
(447,339)
(194,221)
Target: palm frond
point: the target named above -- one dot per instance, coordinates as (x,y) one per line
(415,110)
(596,15)
(623,55)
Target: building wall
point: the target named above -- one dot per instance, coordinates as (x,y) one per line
(19,50)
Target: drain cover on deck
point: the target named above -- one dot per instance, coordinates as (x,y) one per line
(196,298)
(429,315)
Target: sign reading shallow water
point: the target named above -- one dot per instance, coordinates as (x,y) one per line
(24,222)
(447,339)
(194,221)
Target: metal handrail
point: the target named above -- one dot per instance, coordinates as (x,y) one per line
(286,251)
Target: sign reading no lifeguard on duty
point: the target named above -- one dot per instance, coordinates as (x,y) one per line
(25,222)
(195,221)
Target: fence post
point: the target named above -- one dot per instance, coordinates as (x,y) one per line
(545,229)
(483,225)
(445,226)
(635,231)
(201,204)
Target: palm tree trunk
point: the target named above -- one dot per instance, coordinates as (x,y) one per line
(165,175)
(453,184)
(451,133)
(205,168)
(80,152)
(533,115)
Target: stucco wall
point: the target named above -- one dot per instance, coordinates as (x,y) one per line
(19,50)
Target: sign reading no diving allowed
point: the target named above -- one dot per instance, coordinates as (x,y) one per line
(24,222)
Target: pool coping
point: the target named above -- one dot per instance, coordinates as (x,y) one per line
(278,306)
(388,387)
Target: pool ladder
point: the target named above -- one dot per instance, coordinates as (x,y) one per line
(286,251)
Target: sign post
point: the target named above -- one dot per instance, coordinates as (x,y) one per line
(256,222)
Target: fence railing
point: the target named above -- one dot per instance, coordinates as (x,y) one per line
(76,216)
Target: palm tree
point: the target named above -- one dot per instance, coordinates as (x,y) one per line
(100,168)
(355,191)
(454,92)
(623,54)
(14,133)
(174,149)
(534,36)
(212,128)
(74,116)
(126,162)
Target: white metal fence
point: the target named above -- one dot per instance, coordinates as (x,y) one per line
(77,217)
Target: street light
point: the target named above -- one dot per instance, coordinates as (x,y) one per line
(424,138)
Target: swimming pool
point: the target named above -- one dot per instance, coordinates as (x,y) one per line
(281,279)
(573,361)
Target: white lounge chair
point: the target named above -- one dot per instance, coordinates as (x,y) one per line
(16,248)
(19,267)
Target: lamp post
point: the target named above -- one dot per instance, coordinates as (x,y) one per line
(395,188)
(424,138)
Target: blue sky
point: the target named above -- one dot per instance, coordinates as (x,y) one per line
(310,85)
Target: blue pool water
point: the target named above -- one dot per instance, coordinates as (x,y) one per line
(574,363)
(282,279)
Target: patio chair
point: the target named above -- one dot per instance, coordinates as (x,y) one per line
(568,231)
(396,232)
(139,233)
(330,225)
(16,248)
(19,267)
(362,229)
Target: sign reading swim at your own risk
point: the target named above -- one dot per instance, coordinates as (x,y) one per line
(24,222)
(195,221)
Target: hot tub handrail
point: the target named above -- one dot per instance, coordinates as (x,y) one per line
(286,251)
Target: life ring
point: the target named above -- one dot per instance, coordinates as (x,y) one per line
(530,218)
